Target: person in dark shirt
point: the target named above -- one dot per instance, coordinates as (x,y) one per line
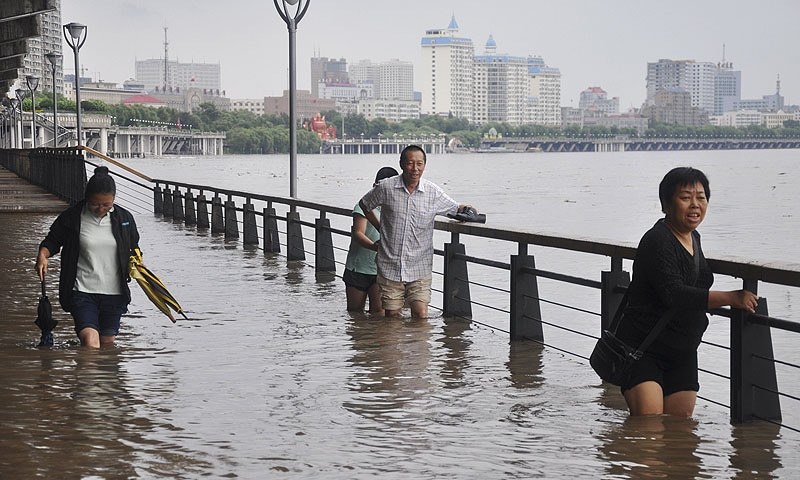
(95,238)
(667,277)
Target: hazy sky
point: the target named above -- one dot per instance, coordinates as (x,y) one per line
(593,43)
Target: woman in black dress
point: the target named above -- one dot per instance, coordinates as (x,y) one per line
(667,276)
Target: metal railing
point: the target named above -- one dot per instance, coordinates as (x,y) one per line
(509,287)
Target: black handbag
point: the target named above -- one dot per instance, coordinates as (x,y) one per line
(612,359)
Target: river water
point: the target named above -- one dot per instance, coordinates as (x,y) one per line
(271,378)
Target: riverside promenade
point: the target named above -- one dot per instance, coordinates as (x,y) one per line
(271,376)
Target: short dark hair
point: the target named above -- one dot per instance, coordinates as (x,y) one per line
(101,182)
(680,177)
(413,148)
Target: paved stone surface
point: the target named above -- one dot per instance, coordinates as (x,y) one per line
(17,195)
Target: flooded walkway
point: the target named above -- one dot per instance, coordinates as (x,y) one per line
(271,378)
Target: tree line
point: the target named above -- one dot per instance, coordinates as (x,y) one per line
(248,133)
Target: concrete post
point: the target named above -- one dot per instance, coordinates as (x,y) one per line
(191,216)
(271,241)
(250,227)
(217,219)
(456,297)
(323,247)
(202,211)
(295,250)
(177,205)
(167,202)
(231,222)
(753,380)
(526,313)
(158,200)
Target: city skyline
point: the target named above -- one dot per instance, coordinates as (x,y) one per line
(591,44)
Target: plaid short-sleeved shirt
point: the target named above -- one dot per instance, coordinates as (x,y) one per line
(406,247)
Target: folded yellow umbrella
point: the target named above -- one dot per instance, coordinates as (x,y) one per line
(153,287)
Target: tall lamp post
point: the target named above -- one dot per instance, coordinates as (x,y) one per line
(14,137)
(20,94)
(291,20)
(75,34)
(53,58)
(33,83)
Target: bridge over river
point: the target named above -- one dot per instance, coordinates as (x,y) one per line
(622,143)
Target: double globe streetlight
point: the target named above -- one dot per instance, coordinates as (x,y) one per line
(53,58)
(75,34)
(292,19)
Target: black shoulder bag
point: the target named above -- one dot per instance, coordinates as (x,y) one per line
(612,358)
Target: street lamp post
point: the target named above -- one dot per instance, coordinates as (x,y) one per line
(75,34)
(53,58)
(33,83)
(15,136)
(20,94)
(292,19)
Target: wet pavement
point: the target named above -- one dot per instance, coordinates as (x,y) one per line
(271,376)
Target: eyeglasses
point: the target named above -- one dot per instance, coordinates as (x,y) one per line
(100,205)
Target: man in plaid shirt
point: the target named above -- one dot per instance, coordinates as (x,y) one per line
(409,204)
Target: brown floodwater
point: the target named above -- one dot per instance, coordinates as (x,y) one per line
(271,377)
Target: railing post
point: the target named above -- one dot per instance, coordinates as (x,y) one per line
(323,245)
(750,342)
(456,300)
(202,211)
(250,228)
(610,294)
(526,314)
(295,250)
(158,200)
(217,219)
(191,216)
(231,222)
(177,205)
(271,241)
(167,202)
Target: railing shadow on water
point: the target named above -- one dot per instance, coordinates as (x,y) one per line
(254,219)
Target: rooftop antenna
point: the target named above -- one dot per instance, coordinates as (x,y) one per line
(723,53)
(166,50)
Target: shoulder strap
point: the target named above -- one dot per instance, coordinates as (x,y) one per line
(662,322)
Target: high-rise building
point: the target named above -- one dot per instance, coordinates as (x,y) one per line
(544,93)
(183,76)
(447,85)
(35,60)
(696,78)
(327,70)
(727,87)
(486,88)
(501,87)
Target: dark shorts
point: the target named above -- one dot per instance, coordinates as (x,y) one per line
(359,281)
(676,372)
(97,311)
